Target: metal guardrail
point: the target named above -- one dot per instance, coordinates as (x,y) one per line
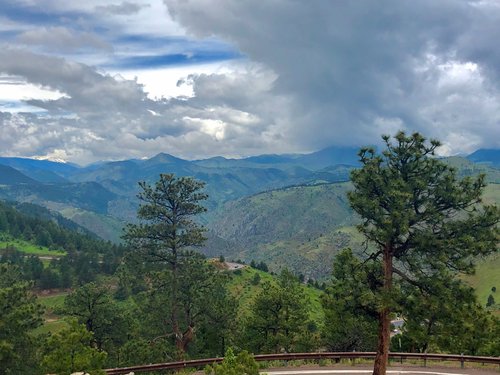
(307,356)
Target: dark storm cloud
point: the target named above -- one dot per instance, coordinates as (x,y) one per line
(355,69)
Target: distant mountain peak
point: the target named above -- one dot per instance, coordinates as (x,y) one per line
(331,156)
(486,155)
(27,165)
(163,157)
(54,160)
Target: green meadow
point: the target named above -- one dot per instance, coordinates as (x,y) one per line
(29,248)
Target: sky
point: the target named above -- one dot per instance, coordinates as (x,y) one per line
(84,81)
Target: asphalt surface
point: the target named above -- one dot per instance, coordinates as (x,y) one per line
(392,371)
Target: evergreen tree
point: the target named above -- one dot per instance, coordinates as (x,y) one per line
(204,309)
(70,351)
(33,267)
(279,317)
(4,224)
(165,238)
(20,314)
(263,267)
(349,305)
(256,279)
(421,218)
(49,279)
(447,320)
(218,325)
(93,306)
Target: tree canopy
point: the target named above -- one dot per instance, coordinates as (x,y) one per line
(20,314)
(279,317)
(183,284)
(167,230)
(426,224)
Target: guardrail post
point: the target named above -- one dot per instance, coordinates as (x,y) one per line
(462,365)
(425,359)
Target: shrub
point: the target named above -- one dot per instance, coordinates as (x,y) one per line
(242,364)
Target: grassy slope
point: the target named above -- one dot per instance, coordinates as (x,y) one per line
(27,247)
(241,287)
(53,322)
(492,194)
(487,275)
(299,212)
(488,270)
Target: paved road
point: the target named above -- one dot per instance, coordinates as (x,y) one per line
(392,371)
(361,372)
(366,370)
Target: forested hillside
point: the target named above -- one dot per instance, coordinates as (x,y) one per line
(45,228)
(300,227)
(50,250)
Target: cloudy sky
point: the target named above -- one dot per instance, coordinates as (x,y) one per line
(108,79)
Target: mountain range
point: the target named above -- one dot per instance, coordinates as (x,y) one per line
(283,209)
(58,185)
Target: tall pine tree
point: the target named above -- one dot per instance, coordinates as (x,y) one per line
(165,238)
(425,223)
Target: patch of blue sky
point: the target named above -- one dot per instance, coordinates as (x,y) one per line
(7,35)
(35,16)
(175,59)
(149,40)
(176,43)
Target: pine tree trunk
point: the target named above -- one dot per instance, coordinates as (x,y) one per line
(174,318)
(183,341)
(384,325)
(179,337)
(382,356)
